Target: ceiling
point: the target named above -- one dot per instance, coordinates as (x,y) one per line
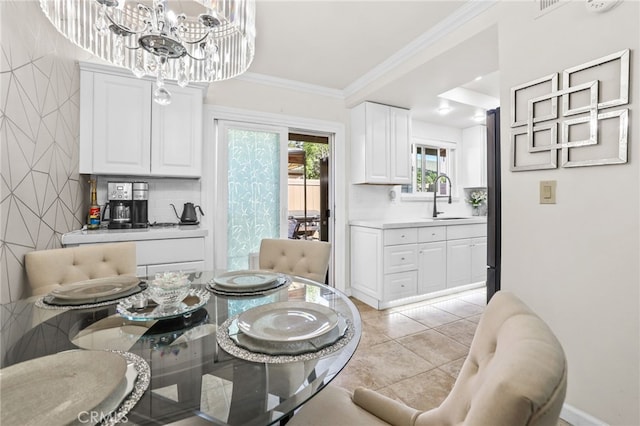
(358,49)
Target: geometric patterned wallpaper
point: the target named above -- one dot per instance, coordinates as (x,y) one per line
(42,195)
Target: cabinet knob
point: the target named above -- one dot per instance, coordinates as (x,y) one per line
(402,236)
(433,234)
(402,258)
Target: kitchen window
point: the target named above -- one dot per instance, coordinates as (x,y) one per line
(428,161)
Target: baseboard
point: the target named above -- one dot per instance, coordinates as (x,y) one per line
(577,417)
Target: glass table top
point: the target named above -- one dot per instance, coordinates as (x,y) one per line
(191,375)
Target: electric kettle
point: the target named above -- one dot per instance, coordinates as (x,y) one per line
(189,215)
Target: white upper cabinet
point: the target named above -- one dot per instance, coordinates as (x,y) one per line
(124,132)
(474,156)
(121,133)
(380,144)
(177,137)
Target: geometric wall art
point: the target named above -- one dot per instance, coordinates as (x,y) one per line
(576,121)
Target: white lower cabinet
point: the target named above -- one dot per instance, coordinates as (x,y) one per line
(389,265)
(399,285)
(466,257)
(466,261)
(166,255)
(177,254)
(478,259)
(458,262)
(432,270)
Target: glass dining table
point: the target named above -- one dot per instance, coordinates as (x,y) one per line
(193,379)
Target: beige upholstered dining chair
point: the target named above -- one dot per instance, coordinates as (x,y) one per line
(50,269)
(515,374)
(304,258)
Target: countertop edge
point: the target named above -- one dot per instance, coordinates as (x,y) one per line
(118,235)
(416,223)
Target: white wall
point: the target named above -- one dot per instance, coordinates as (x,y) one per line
(423,130)
(576,262)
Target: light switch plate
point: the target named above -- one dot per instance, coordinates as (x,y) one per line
(547,192)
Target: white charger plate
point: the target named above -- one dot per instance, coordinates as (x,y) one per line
(96,288)
(287,321)
(246,280)
(54,389)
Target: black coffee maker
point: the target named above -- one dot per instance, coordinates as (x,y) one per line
(119,206)
(139,217)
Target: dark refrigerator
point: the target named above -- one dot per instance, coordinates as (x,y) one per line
(493,202)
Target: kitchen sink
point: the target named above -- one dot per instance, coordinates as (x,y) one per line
(450,218)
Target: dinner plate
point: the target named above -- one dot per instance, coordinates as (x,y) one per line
(287,321)
(54,389)
(96,288)
(280,283)
(246,279)
(50,299)
(288,348)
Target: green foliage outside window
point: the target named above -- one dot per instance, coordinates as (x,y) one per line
(314,152)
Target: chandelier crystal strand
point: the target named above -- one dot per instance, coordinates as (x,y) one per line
(139,69)
(161,95)
(218,43)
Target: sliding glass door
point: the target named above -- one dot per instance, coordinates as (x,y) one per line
(253,180)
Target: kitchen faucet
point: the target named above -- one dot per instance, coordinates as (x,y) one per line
(435,191)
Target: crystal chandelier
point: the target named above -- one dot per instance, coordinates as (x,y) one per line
(150,38)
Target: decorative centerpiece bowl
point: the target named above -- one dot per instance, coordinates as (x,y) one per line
(169,289)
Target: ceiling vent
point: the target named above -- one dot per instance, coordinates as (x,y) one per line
(545,6)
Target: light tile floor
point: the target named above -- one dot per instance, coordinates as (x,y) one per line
(413,353)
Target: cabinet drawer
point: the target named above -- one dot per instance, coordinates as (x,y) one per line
(154,252)
(400,258)
(400,236)
(455,232)
(398,286)
(429,234)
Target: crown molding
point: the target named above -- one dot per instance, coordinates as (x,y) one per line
(458,18)
(284,83)
(103,68)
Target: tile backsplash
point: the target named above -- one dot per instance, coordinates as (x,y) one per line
(162,193)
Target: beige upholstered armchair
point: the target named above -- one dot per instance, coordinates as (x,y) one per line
(515,374)
(304,258)
(49,269)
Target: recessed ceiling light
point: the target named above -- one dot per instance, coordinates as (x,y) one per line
(478,117)
(478,78)
(444,110)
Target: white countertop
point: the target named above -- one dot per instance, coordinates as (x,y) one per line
(115,235)
(418,222)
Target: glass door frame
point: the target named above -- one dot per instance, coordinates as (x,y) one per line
(222,205)
(338,179)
